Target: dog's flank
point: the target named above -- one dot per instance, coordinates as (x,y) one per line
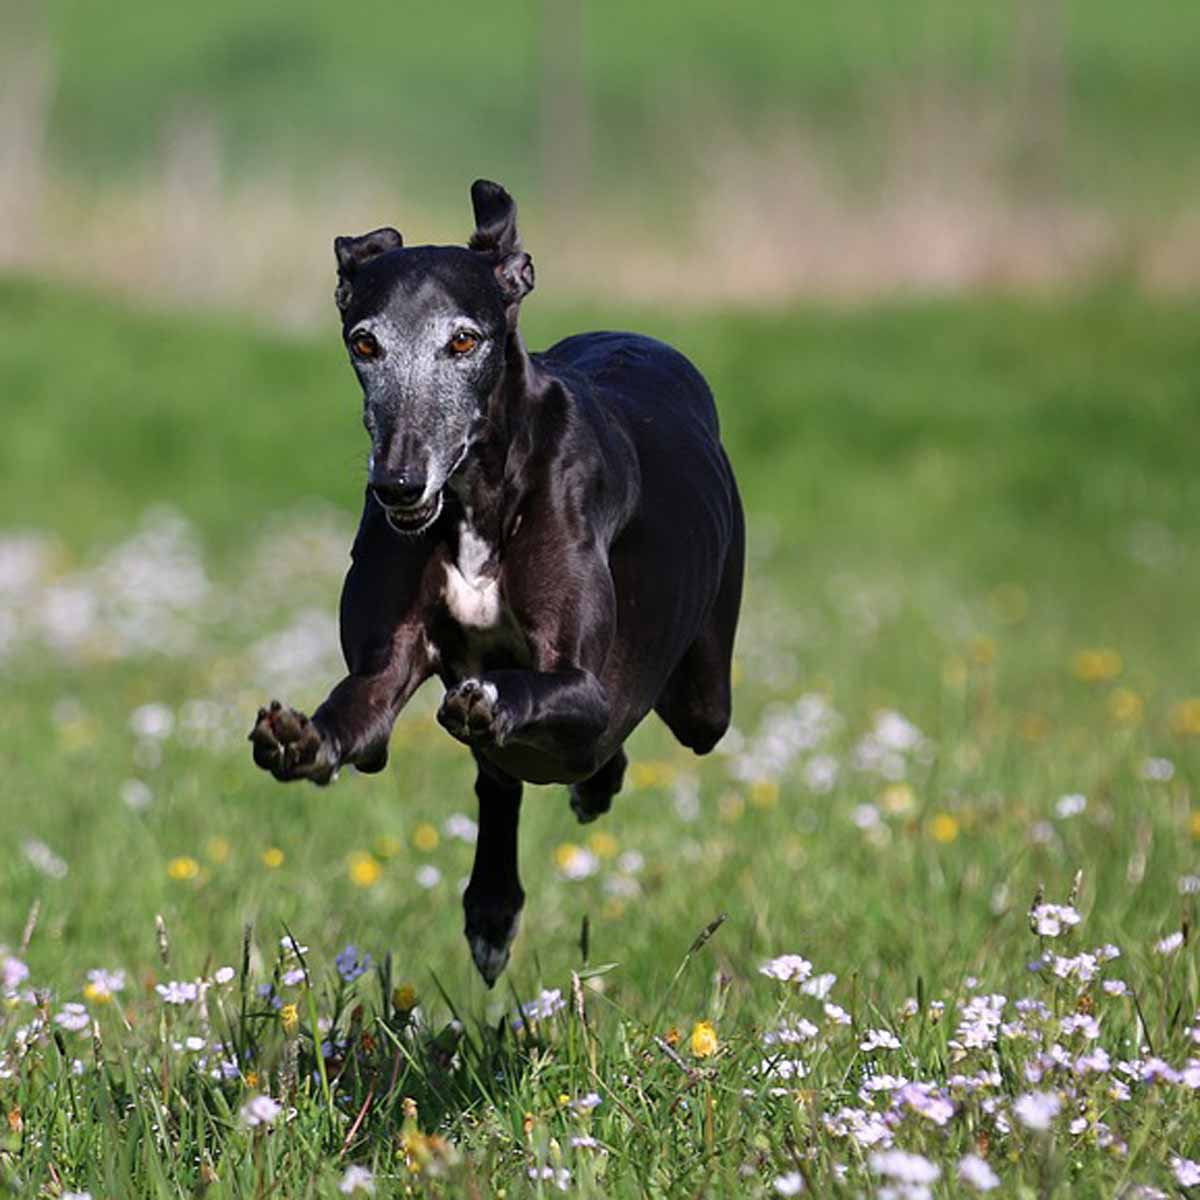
(556,536)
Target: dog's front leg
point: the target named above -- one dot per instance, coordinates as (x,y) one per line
(494,897)
(351,727)
(559,714)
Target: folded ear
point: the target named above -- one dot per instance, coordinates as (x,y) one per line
(352,252)
(496,237)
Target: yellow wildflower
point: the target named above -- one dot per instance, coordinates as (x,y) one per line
(1194,823)
(602,844)
(1125,706)
(98,995)
(404,997)
(1185,717)
(944,828)
(1096,666)
(218,849)
(704,1039)
(731,806)
(764,793)
(272,858)
(364,870)
(386,846)
(897,798)
(671,1037)
(183,867)
(651,774)
(954,674)
(425,838)
(251,1078)
(983,650)
(289,1018)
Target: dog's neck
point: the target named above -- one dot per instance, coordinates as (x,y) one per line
(488,484)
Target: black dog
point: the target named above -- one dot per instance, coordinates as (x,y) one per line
(558,537)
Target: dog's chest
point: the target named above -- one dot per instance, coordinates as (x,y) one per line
(472,587)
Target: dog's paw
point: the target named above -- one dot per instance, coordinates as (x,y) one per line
(473,712)
(290,746)
(491,926)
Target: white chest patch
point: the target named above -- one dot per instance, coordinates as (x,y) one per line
(472,596)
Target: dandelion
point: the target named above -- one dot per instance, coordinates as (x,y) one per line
(357,1179)
(1125,706)
(703,1041)
(787,968)
(260,1110)
(651,774)
(602,844)
(764,793)
(791,1184)
(350,965)
(425,838)
(183,868)
(272,858)
(404,997)
(1037,1110)
(944,828)
(364,870)
(1170,943)
(1185,717)
(218,849)
(1096,666)
(975,1172)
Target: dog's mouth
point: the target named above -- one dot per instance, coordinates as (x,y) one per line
(415,519)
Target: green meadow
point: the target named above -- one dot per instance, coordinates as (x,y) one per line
(961,781)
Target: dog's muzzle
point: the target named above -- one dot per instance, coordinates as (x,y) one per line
(414,518)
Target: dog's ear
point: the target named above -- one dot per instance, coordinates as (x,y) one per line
(352,252)
(497,238)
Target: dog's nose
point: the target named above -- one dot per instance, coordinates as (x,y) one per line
(402,493)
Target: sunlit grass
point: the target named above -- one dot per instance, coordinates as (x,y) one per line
(955,707)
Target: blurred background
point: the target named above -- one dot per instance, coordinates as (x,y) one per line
(697,154)
(937,258)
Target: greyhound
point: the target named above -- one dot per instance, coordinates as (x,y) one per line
(557,536)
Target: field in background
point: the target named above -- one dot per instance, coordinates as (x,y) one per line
(967,669)
(211,152)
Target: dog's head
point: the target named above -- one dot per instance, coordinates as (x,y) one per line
(427,328)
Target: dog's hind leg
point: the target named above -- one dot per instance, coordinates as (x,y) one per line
(696,702)
(493,900)
(592,797)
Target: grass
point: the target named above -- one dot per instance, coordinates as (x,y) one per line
(979,516)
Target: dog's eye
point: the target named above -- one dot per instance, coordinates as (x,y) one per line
(364,345)
(463,342)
